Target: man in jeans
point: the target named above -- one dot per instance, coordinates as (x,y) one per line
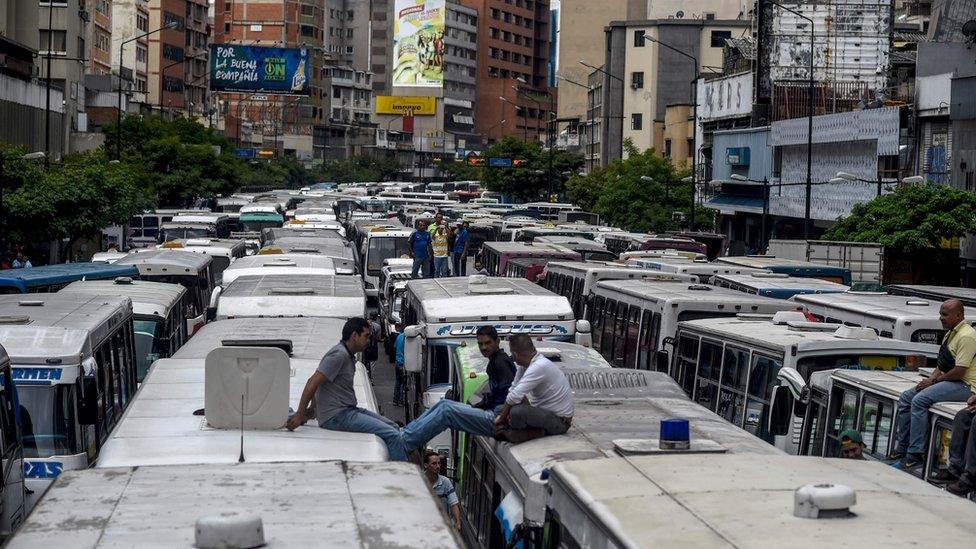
(331,387)
(953,381)
(962,452)
(419,250)
(460,255)
(440,249)
(477,419)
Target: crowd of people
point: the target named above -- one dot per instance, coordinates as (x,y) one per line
(440,251)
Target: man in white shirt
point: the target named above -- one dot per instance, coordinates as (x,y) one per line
(540,401)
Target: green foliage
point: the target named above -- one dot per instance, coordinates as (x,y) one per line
(461,171)
(910,219)
(359,168)
(529,180)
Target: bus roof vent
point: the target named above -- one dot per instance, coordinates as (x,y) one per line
(917,303)
(478,285)
(281,263)
(123,280)
(229,530)
(302,250)
(292,291)
(856,332)
(821,501)
(770,275)
(246,387)
(31,303)
(198,242)
(700,288)
(605,379)
(784,317)
(806,326)
(14,319)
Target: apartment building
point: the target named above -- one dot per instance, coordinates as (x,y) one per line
(130,20)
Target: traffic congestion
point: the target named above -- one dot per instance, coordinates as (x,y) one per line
(222,377)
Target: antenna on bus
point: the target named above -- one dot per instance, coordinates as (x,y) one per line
(240,459)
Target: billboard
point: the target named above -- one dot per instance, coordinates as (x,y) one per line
(418,43)
(281,71)
(422,105)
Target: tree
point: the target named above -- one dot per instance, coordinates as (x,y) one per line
(359,168)
(529,178)
(910,219)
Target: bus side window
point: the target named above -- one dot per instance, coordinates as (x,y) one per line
(633,330)
(709,368)
(686,362)
(762,379)
(596,320)
(606,339)
(842,416)
(644,349)
(735,366)
(876,425)
(578,297)
(620,337)
(439,369)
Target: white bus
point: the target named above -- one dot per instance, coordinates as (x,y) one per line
(753,371)
(935,293)
(495,255)
(379,245)
(157,314)
(715,499)
(777,285)
(196,225)
(576,279)
(288,264)
(224,251)
(703,269)
(634,321)
(12,492)
(169,424)
(74,368)
(193,271)
(550,210)
(897,317)
(292,296)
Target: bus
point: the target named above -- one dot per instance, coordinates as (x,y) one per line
(157,314)
(894,316)
(229,204)
(575,280)
(715,243)
(74,367)
(193,271)
(257,217)
(197,225)
(753,371)
(144,228)
(792,267)
(529,234)
(51,278)
(673,243)
(292,296)
(551,210)
(634,322)
(495,255)
(13,495)
(529,268)
(619,242)
(588,249)
(339,249)
(288,264)
(776,285)
(663,255)
(379,245)
(716,499)
(222,250)
(704,270)
(299,230)
(200,407)
(935,293)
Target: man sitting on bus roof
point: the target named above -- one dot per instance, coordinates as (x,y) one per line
(961,469)
(540,402)
(477,419)
(953,381)
(332,395)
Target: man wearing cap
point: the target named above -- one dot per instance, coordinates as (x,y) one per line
(851,445)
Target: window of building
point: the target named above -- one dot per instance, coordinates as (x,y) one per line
(56,41)
(667,148)
(636,121)
(140,84)
(308,30)
(349,50)
(336,93)
(226,5)
(637,80)
(691,146)
(142,23)
(173,53)
(308,9)
(719,38)
(102,6)
(331,14)
(349,15)
(81,47)
(226,27)
(638,39)
(348,33)
(173,84)
(173,18)
(142,54)
(102,42)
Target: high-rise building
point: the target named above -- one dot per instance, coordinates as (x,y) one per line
(130,20)
(178,56)
(63,37)
(347,80)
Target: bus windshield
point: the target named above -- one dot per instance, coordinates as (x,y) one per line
(383,248)
(47,418)
(176,233)
(256,225)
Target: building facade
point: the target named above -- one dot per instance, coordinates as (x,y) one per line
(130,20)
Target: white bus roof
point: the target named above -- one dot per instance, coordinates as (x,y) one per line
(689,266)
(330,247)
(776,281)
(201,217)
(746,501)
(334,503)
(882,306)
(530,249)
(284,264)
(612,271)
(166,262)
(298,231)
(766,261)
(461,298)
(148,298)
(224,247)
(967,295)
(262,207)
(291,296)
(160,428)
(892,385)
(44,328)
(108,257)
(672,293)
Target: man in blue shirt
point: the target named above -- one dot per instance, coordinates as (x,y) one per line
(460,255)
(420,247)
(398,396)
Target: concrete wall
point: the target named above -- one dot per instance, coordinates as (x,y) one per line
(18,21)
(757,140)
(22,116)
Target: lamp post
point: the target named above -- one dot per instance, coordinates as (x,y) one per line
(844,176)
(688,179)
(806,215)
(118,118)
(589,107)
(605,109)
(525,129)
(493,127)
(765,210)
(162,76)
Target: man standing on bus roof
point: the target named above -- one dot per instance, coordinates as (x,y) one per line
(540,402)
(440,249)
(442,486)
(953,381)
(460,255)
(477,419)
(331,393)
(419,250)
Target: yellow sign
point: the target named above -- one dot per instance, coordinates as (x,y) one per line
(418,105)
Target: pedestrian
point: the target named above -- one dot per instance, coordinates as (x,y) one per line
(112,247)
(442,487)
(441,259)
(329,395)
(480,269)
(21,261)
(420,242)
(372,351)
(960,471)
(460,257)
(953,381)
(851,444)
(399,398)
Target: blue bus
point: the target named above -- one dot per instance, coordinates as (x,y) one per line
(776,285)
(51,278)
(791,267)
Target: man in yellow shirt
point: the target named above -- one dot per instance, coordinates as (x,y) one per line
(953,381)
(441,268)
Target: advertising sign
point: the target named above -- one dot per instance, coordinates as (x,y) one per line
(280,71)
(415,105)
(418,43)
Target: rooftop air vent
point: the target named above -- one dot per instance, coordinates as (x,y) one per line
(785,317)
(700,288)
(770,275)
(856,332)
(917,303)
(123,280)
(31,303)
(229,530)
(605,379)
(821,501)
(806,326)
(292,291)
(14,319)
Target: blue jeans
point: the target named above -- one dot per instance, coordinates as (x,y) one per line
(418,264)
(913,412)
(441,268)
(398,396)
(357,420)
(460,263)
(447,414)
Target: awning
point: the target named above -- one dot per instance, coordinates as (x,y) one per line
(729,205)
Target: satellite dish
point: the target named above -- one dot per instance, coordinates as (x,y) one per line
(969,29)
(681,14)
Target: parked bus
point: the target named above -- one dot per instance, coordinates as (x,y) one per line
(662,255)
(792,267)
(551,210)
(935,293)
(752,371)
(51,278)
(292,296)
(495,255)
(13,495)
(379,245)
(704,270)
(634,322)
(588,249)
(74,367)
(673,243)
(230,204)
(193,271)
(198,225)
(529,234)
(257,217)
(157,314)
(715,243)
(776,285)
(199,404)
(288,264)
(294,231)
(144,228)
(621,241)
(529,268)
(335,248)
(222,250)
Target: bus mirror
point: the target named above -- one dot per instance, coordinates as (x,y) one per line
(780,411)
(412,361)
(661,361)
(88,400)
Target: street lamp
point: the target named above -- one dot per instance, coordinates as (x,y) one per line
(765,210)
(687,179)
(525,129)
(118,118)
(162,77)
(845,177)
(493,127)
(807,225)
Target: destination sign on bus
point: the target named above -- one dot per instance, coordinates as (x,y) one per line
(36,376)
(467,330)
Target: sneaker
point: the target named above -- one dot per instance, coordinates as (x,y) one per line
(960,487)
(912,461)
(896,456)
(943,475)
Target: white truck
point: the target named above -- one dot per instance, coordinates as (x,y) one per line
(864,259)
